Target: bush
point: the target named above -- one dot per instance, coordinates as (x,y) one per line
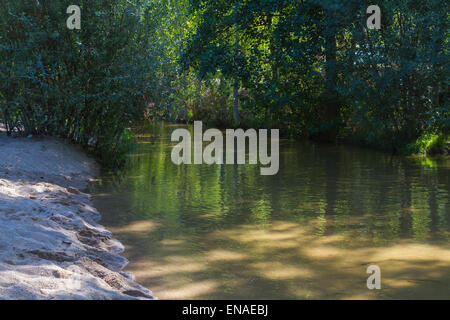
(429,144)
(85,85)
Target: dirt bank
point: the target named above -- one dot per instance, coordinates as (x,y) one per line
(51,246)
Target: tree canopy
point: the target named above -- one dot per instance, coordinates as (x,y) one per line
(308,67)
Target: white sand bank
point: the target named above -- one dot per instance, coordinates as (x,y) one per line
(51,246)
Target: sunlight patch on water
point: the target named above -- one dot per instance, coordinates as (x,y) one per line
(310,232)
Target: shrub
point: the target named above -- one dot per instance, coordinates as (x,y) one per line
(84,85)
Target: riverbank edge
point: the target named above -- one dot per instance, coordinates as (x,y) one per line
(429,144)
(52,246)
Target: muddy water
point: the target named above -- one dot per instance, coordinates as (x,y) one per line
(309,232)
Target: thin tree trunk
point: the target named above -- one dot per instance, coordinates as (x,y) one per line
(331,96)
(237,48)
(236,116)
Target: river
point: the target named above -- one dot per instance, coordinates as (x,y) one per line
(309,232)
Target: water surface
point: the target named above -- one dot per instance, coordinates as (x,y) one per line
(309,232)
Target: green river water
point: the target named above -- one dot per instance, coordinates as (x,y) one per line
(309,232)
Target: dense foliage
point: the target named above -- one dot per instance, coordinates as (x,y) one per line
(308,67)
(312,67)
(85,85)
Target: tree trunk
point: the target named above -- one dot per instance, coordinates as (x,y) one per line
(237,48)
(236,116)
(331,103)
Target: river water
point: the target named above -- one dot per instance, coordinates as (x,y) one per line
(309,232)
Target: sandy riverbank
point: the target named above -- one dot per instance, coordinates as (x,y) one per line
(51,246)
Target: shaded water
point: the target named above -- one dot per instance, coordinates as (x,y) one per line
(309,232)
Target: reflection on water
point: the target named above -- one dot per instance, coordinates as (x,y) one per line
(226,232)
